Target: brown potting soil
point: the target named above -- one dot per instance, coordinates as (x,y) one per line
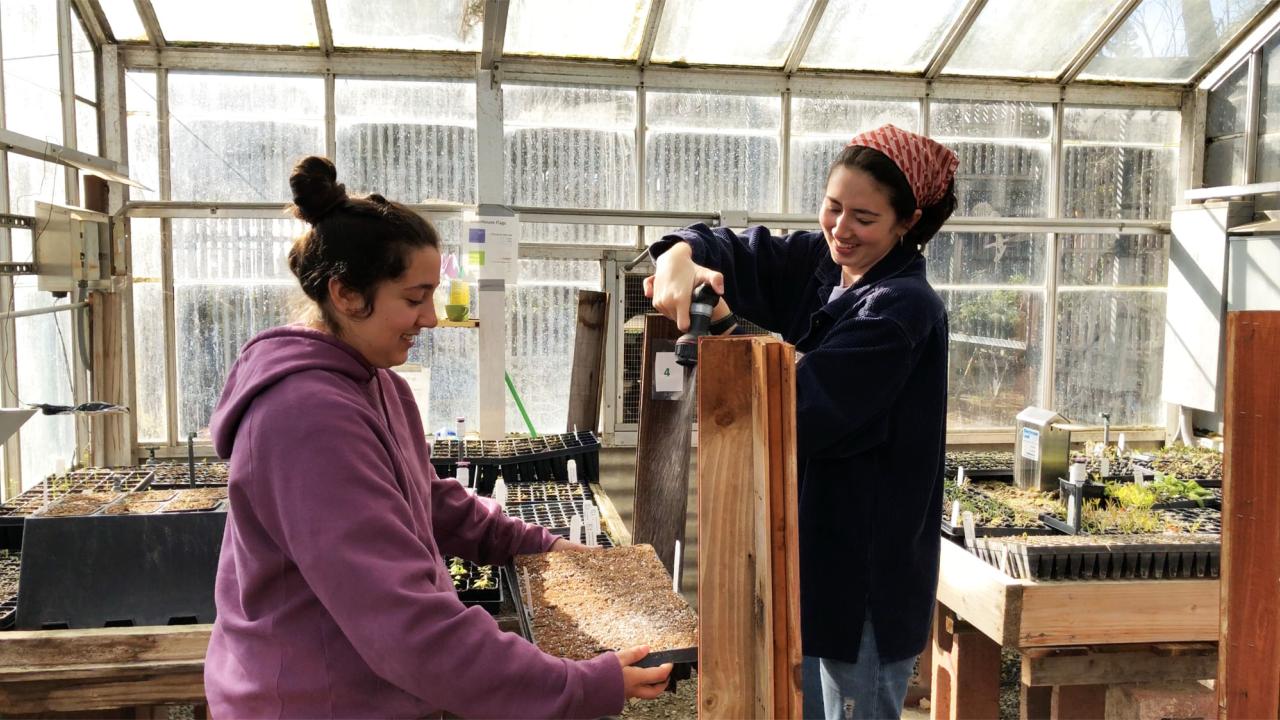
(9,563)
(196,499)
(78,504)
(586,603)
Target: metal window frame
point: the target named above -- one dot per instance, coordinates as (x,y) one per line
(11,483)
(1114,20)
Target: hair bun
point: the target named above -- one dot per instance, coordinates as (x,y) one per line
(315,188)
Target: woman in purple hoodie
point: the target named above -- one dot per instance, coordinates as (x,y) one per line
(332,593)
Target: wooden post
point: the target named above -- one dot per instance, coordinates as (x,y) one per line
(966,670)
(1249,640)
(1078,702)
(112,442)
(587,379)
(749,652)
(662,453)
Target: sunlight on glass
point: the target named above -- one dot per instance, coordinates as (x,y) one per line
(1170,40)
(537,28)
(250,22)
(122,16)
(407,24)
(851,34)
(728,32)
(1027,39)
(32,90)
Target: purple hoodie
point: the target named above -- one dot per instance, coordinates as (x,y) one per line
(332,593)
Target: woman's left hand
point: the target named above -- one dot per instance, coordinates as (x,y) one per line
(562,545)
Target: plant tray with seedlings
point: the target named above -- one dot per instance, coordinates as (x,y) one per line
(476,584)
(979,463)
(993,514)
(577,605)
(1119,508)
(140,502)
(166,475)
(1207,520)
(10,562)
(541,459)
(541,492)
(77,504)
(1201,464)
(1079,557)
(196,499)
(548,515)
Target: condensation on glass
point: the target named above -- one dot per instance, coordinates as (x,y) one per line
(607,29)
(851,34)
(83,62)
(728,32)
(1170,40)
(1004,150)
(236,137)
(709,151)
(142,125)
(1225,124)
(571,147)
(32,90)
(996,353)
(150,403)
(231,281)
(249,22)
(411,141)
(1120,162)
(986,258)
(820,128)
(1027,39)
(407,24)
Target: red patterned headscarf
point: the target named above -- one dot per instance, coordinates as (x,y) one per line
(928,165)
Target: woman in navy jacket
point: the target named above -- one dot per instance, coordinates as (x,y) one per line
(871,387)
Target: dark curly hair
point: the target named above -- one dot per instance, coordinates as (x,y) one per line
(361,241)
(901,198)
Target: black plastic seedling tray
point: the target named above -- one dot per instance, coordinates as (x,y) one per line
(119,570)
(1104,558)
(1209,519)
(490,598)
(602,539)
(548,515)
(543,492)
(9,568)
(956,534)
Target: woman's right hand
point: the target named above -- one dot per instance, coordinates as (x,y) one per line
(671,285)
(644,683)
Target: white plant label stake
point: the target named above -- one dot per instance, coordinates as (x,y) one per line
(1106,466)
(955,513)
(463,474)
(1120,442)
(961,478)
(969,532)
(1072,512)
(1138,478)
(573,472)
(500,493)
(575,529)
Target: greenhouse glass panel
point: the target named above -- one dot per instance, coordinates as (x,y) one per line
(1170,40)
(728,32)
(83,62)
(1027,39)
(1225,130)
(150,405)
(1004,150)
(820,128)
(246,22)
(122,16)
(986,258)
(538,28)
(995,355)
(1269,118)
(44,376)
(87,128)
(231,281)
(31,180)
(410,141)
(407,24)
(32,90)
(542,319)
(143,133)
(712,152)
(571,147)
(236,137)
(1120,163)
(851,36)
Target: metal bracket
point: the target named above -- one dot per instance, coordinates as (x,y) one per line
(17,268)
(17,221)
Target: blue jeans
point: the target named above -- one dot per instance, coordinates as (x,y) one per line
(868,689)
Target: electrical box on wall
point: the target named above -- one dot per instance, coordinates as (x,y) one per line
(71,245)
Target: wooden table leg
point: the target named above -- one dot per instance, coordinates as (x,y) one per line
(1079,702)
(966,670)
(1036,702)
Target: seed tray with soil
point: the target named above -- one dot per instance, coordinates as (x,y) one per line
(196,499)
(1205,520)
(1201,464)
(178,474)
(476,584)
(548,515)
(541,492)
(539,459)
(979,463)
(10,562)
(994,514)
(1080,557)
(78,482)
(141,502)
(580,604)
(77,504)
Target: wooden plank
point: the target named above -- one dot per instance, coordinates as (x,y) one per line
(981,594)
(586,380)
(1118,611)
(70,696)
(59,648)
(108,671)
(662,453)
(748,599)
(1249,650)
(1105,668)
(966,670)
(609,517)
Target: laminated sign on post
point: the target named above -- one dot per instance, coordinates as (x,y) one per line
(492,244)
